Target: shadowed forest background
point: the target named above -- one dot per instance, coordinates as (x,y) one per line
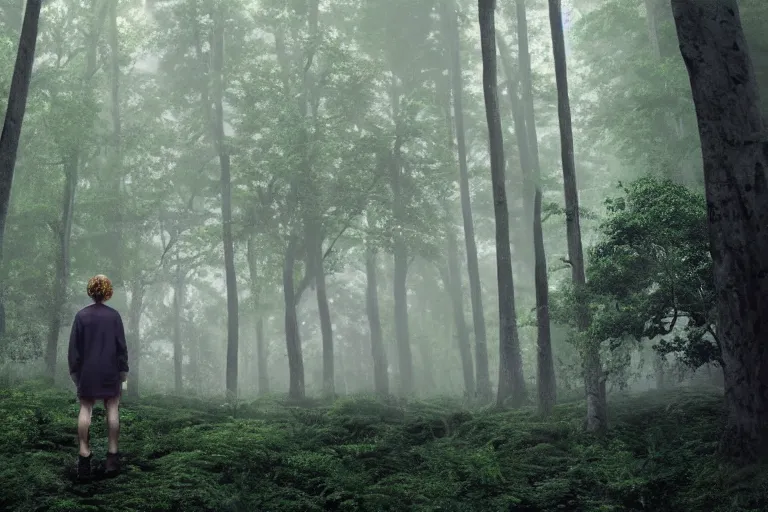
(360,269)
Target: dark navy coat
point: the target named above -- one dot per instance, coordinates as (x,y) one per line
(97,352)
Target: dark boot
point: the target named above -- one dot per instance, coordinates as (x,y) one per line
(84,468)
(113,464)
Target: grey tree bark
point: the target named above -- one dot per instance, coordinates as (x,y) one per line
(734,145)
(225,181)
(511,380)
(379,354)
(14,113)
(593,374)
(451,28)
(528,148)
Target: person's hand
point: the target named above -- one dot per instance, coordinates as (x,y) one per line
(73,376)
(123,376)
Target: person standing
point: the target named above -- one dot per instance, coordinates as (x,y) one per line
(98,365)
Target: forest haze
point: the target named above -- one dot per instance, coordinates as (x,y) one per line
(492,205)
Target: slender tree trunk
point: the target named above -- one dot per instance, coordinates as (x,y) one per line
(402,335)
(528,147)
(380,374)
(261,358)
(734,145)
(117,245)
(217,45)
(14,117)
(134,335)
(326,327)
(178,305)
(61,280)
(473,270)
(511,379)
(457,301)
(292,340)
(593,375)
(261,349)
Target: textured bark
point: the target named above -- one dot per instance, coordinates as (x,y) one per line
(511,380)
(528,148)
(734,145)
(594,381)
(296,388)
(14,117)
(473,270)
(61,279)
(379,354)
(217,61)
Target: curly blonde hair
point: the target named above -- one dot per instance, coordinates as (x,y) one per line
(100,288)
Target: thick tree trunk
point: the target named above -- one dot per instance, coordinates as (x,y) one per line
(511,379)
(473,270)
(61,279)
(292,340)
(528,147)
(380,365)
(134,336)
(178,304)
(594,381)
(226,204)
(734,144)
(14,117)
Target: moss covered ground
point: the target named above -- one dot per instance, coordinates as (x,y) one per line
(359,454)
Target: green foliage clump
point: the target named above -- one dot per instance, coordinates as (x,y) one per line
(364,454)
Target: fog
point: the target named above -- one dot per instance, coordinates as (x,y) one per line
(338,135)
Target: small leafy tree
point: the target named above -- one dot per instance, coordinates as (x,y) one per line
(651,268)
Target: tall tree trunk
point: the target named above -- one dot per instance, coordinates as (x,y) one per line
(402,335)
(217,46)
(525,130)
(261,349)
(511,380)
(178,305)
(379,354)
(324,312)
(734,145)
(61,279)
(593,375)
(14,117)
(473,270)
(453,285)
(261,358)
(292,340)
(134,335)
(117,246)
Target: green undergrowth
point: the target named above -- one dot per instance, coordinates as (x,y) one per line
(359,454)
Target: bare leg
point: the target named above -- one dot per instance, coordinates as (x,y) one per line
(84,425)
(113,422)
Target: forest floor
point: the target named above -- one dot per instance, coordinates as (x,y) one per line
(359,454)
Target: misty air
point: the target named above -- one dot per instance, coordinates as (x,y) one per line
(384,255)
